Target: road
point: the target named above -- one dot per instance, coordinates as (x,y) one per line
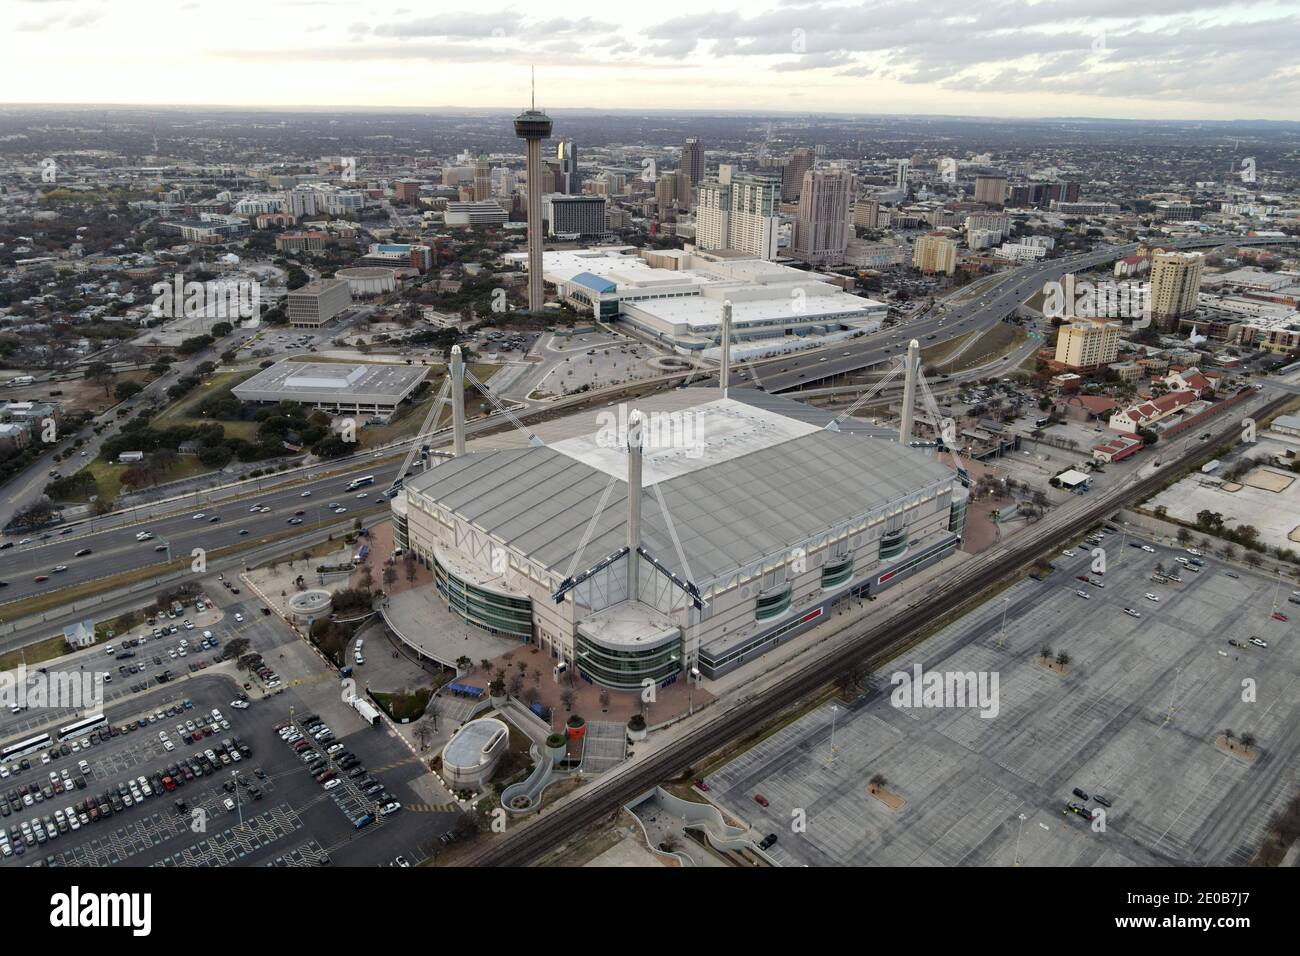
(26,489)
(114,548)
(957,319)
(526,843)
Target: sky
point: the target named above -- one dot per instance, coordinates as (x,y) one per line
(1157,59)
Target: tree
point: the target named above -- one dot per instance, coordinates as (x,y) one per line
(877,782)
(464,663)
(567,697)
(124,390)
(485,664)
(1183,536)
(604,699)
(1045,652)
(101,373)
(1228,737)
(1063,659)
(1248,741)
(423,732)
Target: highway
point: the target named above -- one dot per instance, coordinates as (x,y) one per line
(114,548)
(526,843)
(955,320)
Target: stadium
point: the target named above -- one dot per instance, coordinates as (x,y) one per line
(749,522)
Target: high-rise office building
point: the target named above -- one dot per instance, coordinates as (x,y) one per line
(739,212)
(567,180)
(693,161)
(684,187)
(798,163)
(575,217)
(533,126)
(821,228)
(482,179)
(866,213)
(1087,343)
(900,174)
(991,189)
(1175,280)
(666,194)
(935,254)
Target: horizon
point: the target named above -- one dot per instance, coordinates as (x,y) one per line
(1198,61)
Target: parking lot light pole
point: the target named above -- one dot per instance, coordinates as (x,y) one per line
(1018,833)
(239,805)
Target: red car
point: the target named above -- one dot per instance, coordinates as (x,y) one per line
(1279,616)
(761,800)
(169,784)
(699,782)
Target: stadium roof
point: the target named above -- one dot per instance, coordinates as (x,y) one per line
(728,513)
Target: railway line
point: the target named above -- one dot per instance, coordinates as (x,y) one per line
(525,844)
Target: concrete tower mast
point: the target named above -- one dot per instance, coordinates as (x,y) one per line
(533,126)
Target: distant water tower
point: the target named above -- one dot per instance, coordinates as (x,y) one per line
(533,126)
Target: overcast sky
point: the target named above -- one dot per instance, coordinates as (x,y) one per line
(1158,59)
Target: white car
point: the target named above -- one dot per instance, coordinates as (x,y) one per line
(364,494)
(332,783)
(255,509)
(207,635)
(239,619)
(168,746)
(1151,597)
(1131,613)
(305,494)
(1193,552)
(1082,594)
(162,735)
(1148,549)
(239,704)
(228,804)
(1068,553)
(199,515)
(1258,643)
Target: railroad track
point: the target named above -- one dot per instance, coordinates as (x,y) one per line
(525,844)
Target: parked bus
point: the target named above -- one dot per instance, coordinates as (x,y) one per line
(361,482)
(80,727)
(25,747)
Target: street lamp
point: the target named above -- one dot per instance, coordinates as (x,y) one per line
(239,806)
(1019,831)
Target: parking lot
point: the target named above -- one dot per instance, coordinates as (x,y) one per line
(1133,715)
(273,813)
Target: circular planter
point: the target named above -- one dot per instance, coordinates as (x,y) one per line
(576,730)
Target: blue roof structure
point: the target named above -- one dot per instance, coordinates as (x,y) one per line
(594,282)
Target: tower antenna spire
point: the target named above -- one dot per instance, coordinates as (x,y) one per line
(532,87)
